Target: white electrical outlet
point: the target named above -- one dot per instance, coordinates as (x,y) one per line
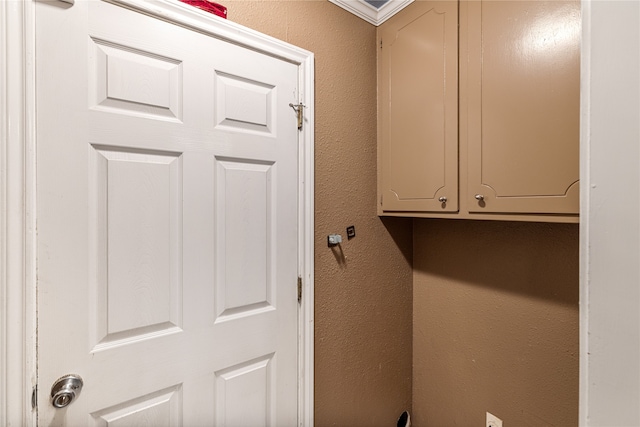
(493,421)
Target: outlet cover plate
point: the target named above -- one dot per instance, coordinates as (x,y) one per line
(493,421)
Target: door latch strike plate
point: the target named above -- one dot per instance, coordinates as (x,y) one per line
(299,289)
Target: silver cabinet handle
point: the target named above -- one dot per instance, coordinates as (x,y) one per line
(479,197)
(442,199)
(65,390)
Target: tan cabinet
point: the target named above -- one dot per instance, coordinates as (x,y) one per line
(512,81)
(418,113)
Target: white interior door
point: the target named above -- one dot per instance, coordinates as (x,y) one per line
(167,215)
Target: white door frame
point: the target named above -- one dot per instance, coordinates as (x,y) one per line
(18,267)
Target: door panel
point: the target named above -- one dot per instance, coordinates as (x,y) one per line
(242,393)
(135,227)
(245,214)
(129,81)
(167,223)
(163,408)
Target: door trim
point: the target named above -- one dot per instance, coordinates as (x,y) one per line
(18,205)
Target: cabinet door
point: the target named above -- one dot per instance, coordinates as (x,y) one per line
(523,106)
(418,119)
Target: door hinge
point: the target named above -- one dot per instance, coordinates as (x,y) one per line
(381,197)
(34,397)
(299,289)
(299,109)
(380,43)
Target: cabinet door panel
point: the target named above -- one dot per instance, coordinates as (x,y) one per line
(418,86)
(524,106)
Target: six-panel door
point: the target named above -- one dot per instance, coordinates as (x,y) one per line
(167,223)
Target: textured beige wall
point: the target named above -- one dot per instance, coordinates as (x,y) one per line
(495,303)
(495,323)
(363,302)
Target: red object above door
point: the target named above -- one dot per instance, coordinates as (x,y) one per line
(208,6)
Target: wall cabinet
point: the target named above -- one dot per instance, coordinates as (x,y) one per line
(418,109)
(479,105)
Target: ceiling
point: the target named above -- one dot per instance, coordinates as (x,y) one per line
(373,11)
